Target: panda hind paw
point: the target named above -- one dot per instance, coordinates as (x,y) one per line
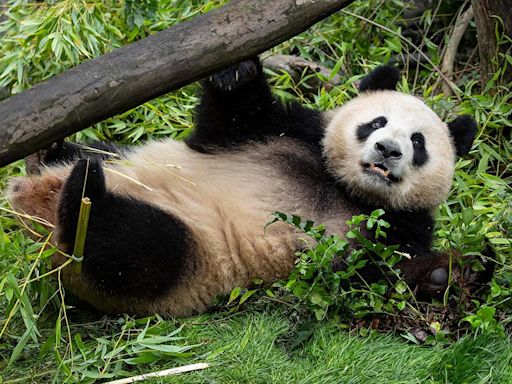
(86,178)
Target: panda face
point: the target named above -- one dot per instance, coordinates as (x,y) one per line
(390,149)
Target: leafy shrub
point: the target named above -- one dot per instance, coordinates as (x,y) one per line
(328,282)
(327,275)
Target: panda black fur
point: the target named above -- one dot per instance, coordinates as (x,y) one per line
(175,224)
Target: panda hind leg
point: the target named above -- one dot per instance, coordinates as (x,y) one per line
(65,151)
(133,250)
(85,180)
(61,151)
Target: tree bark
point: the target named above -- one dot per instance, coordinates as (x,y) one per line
(131,75)
(486,13)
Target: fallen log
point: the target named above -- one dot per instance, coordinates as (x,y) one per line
(131,75)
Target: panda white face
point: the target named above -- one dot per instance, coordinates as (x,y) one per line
(390,149)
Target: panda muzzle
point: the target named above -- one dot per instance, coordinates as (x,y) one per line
(381,170)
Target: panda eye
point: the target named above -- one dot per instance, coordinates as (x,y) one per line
(366,129)
(420,155)
(417,139)
(379,122)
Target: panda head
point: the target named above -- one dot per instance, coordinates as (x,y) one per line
(389,149)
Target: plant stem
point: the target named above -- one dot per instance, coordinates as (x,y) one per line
(81,232)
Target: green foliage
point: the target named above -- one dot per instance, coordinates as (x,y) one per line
(144,341)
(39,39)
(137,11)
(483,320)
(42,39)
(327,275)
(67,31)
(329,282)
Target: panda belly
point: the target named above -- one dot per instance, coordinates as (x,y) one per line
(234,192)
(224,200)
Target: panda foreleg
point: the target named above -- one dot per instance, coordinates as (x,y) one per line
(236,106)
(428,273)
(236,77)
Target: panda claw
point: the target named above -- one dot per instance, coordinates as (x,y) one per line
(234,77)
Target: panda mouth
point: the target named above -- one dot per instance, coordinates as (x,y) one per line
(380,170)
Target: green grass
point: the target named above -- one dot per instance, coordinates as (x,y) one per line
(252,348)
(333,355)
(40,342)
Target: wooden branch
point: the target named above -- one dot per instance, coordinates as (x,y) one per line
(295,66)
(488,15)
(131,75)
(461,24)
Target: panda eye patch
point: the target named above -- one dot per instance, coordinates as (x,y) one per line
(420,156)
(366,129)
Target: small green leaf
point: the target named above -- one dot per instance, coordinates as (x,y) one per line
(247,295)
(234,294)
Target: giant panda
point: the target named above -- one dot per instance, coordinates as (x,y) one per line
(175,224)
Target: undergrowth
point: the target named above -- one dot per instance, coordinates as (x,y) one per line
(295,329)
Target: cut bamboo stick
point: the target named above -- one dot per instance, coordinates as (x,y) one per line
(81,232)
(164,373)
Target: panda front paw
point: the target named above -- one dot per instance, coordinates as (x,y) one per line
(467,272)
(235,76)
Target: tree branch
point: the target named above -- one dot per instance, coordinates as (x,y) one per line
(493,16)
(131,75)
(461,24)
(296,66)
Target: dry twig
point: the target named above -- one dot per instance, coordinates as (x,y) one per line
(461,24)
(295,67)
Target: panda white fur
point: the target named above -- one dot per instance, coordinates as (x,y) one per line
(174,224)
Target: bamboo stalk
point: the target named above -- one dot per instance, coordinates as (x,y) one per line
(81,232)
(164,373)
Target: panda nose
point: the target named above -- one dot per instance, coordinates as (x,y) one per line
(389,149)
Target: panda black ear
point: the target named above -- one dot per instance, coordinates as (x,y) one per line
(463,131)
(381,78)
